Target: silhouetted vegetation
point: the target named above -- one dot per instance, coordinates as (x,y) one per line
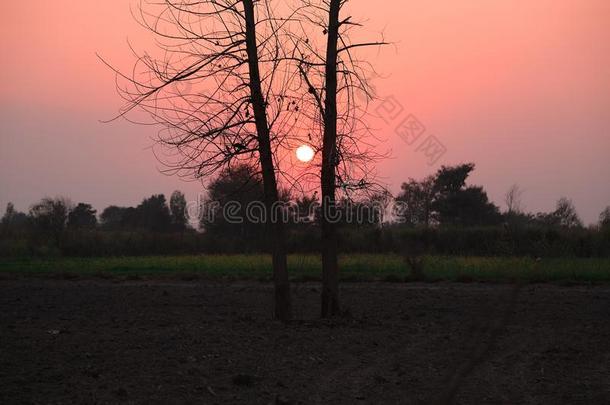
(445,199)
(604,218)
(441,215)
(82,217)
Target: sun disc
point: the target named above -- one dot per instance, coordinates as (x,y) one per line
(305,153)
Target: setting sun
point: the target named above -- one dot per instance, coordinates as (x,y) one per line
(305,153)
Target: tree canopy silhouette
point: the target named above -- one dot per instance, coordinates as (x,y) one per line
(221,93)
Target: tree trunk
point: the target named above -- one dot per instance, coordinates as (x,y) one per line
(330,264)
(282,302)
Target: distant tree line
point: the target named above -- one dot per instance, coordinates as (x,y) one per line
(440,214)
(444,199)
(56,215)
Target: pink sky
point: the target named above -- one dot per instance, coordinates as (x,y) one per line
(521,88)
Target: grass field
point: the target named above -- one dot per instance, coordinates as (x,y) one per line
(307,267)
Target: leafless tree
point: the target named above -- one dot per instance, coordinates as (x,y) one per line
(565,214)
(220,89)
(604,218)
(338,93)
(512,198)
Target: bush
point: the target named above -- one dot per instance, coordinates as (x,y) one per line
(305,238)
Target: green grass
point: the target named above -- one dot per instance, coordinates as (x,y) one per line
(358,267)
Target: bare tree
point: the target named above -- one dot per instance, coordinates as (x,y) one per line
(220,91)
(604,218)
(512,198)
(565,214)
(334,78)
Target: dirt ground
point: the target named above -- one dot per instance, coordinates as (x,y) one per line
(96,342)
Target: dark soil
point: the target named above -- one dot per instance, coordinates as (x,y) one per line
(199,342)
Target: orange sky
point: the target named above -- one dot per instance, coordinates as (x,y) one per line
(521,88)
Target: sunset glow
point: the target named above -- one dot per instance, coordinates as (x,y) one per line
(518,88)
